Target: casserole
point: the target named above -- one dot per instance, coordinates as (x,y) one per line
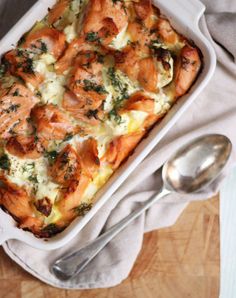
(141,152)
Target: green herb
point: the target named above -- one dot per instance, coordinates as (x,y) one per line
(43,48)
(120,87)
(113,114)
(92,114)
(12,108)
(33,179)
(16,92)
(28,66)
(2,69)
(39,94)
(5,162)
(92,37)
(52,155)
(91,86)
(50,230)
(83,208)
(155,43)
(19,53)
(122,4)
(21,40)
(68,137)
(6,64)
(29,167)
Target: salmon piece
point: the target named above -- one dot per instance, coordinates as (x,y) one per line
(108,31)
(148,74)
(151,120)
(32,224)
(51,124)
(86,84)
(82,109)
(140,102)
(186,69)
(15,109)
(166,32)
(20,64)
(128,62)
(144,12)
(140,38)
(46,40)
(71,196)
(143,9)
(70,54)
(97,14)
(66,169)
(57,11)
(88,155)
(24,147)
(121,147)
(70,200)
(16,200)
(142,70)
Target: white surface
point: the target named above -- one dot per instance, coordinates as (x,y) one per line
(184,15)
(228,237)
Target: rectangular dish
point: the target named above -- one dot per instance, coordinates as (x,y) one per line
(188,26)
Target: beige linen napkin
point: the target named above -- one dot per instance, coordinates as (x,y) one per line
(213,112)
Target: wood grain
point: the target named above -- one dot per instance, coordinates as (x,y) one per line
(177,262)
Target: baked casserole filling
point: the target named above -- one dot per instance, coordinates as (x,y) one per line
(77,94)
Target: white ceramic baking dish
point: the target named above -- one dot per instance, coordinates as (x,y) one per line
(184,16)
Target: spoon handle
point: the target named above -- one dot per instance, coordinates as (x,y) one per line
(72,264)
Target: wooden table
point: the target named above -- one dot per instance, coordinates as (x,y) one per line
(177,262)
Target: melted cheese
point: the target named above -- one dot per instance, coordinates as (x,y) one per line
(70,32)
(52,88)
(33,175)
(121,40)
(99,180)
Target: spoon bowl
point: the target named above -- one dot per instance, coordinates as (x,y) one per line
(196,164)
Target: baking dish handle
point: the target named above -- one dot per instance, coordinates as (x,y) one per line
(190,11)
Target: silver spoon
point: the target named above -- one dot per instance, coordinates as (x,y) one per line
(189,170)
